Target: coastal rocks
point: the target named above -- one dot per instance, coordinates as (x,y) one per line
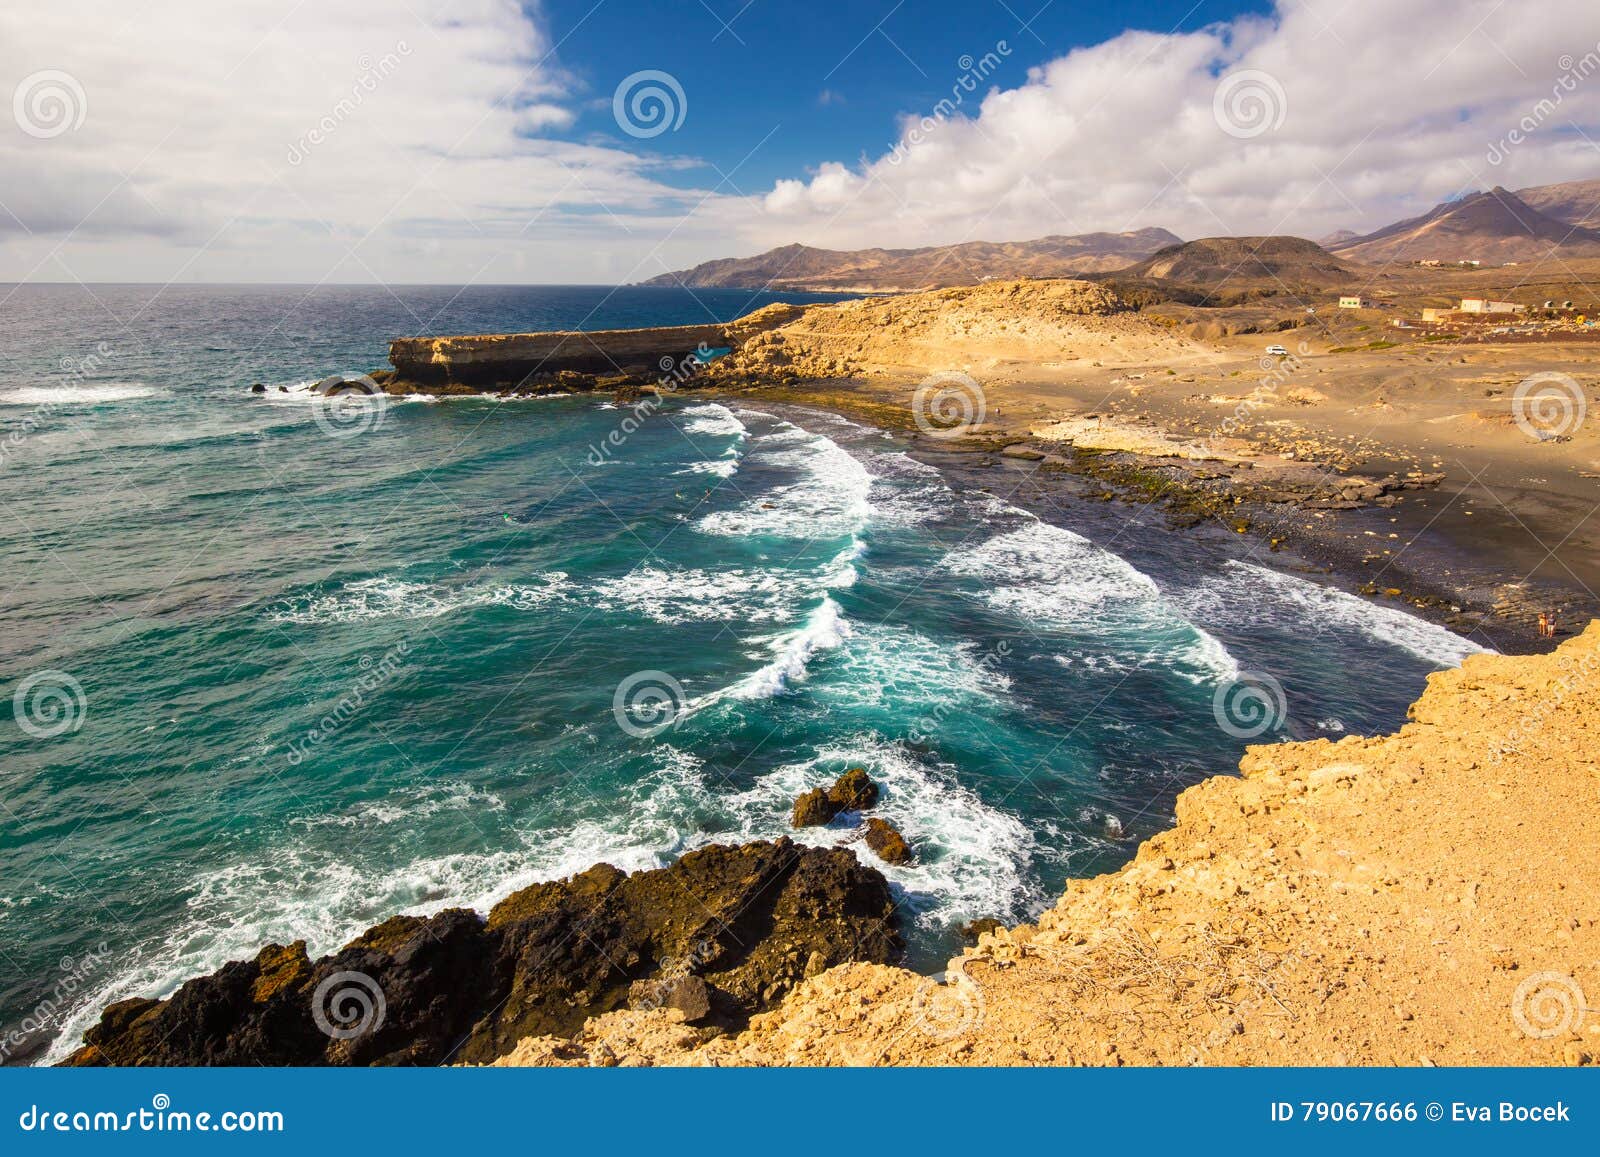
(258,388)
(885,839)
(813,809)
(720,935)
(974,929)
(854,791)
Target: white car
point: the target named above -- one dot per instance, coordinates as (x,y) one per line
(1277,351)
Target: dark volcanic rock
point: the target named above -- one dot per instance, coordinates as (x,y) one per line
(885,839)
(721,934)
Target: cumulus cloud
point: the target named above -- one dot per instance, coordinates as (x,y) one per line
(441,140)
(347,139)
(1373,110)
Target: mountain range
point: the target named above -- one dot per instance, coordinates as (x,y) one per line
(802,267)
(1492,228)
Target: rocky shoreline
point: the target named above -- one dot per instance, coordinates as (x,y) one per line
(720,935)
(1348,509)
(1421,898)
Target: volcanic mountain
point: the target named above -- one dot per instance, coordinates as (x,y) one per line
(1493,227)
(802,267)
(1245,262)
(1575,202)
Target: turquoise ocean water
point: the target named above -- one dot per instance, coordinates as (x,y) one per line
(270,676)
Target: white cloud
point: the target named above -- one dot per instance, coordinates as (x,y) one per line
(432,140)
(1389,106)
(353,139)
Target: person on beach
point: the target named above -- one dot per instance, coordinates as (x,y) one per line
(1544,625)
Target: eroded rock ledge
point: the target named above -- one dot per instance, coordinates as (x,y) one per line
(501,361)
(721,934)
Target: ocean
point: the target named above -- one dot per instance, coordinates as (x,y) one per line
(271,676)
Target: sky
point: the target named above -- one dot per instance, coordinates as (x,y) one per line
(607,141)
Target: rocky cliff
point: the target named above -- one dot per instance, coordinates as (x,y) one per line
(721,934)
(486,361)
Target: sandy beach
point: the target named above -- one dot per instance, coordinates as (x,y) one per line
(1499,530)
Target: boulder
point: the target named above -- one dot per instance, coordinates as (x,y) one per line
(973,929)
(854,791)
(813,809)
(258,388)
(688,994)
(885,839)
(722,934)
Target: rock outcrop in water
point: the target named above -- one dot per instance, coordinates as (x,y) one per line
(720,935)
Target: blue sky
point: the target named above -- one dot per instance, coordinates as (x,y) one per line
(833,83)
(471,141)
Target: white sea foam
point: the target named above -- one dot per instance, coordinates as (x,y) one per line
(972,859)
(830,500)
(82,395)
(713,419)
(900,670)
(906,492)
(824,629)
(717,467)
(682,596)
(1246,594)
(386,598)
(407,805)
(1057,579)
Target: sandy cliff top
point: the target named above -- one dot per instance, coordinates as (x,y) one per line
(972,328)
(1423,897)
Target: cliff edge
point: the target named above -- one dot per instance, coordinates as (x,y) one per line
(1427,897)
